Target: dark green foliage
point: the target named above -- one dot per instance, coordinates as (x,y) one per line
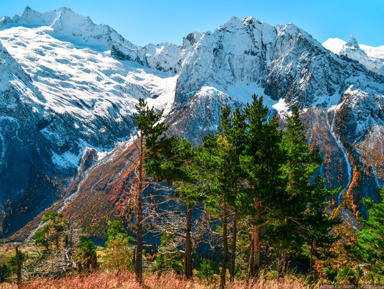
(315,224)
(249,171)
(49,236)
(371,239)
(151,140)
(147,124)
(116,230)
(87,247)
(301,217)
(4,272)
(262,158)
(205,271)
(12,263)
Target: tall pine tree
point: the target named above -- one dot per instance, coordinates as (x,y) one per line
(302,217)
(223,173)
(150,131)
(262,162)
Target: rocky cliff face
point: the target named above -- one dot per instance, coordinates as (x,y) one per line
(68,84)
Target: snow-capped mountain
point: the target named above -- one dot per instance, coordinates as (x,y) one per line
(371,57)
(68,84)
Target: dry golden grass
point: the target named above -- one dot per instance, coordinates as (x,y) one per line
(127,281)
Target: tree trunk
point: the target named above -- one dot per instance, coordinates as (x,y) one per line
(256,241)
(310,258)
(139,225)
(234,240)
(256,252)
(282,265)
(18,264)
(225,246)
(251,261)
(188,245)
(254,266)
(94,262)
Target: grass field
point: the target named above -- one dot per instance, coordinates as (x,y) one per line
(104,280)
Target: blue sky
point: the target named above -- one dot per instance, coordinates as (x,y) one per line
(155,21)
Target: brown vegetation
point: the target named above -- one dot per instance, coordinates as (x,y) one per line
(127,280)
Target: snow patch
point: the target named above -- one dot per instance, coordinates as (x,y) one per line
(66,160)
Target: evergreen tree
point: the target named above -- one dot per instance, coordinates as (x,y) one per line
(371,238)
(149,132)
(302,217)
(223,172)
(49,235)
(315,224)
(178,164)
(87,252)
(262,162)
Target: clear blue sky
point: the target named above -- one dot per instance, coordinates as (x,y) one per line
(155,21)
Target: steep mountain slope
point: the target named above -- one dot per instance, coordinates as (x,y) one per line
(78,83)
(61,96)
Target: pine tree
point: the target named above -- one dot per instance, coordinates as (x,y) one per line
(223,173)
(51,232)
(178,164)
(87,252)
(302,217)
(262,162)
(237,138)
(149,132)
(315,224)
(371,238)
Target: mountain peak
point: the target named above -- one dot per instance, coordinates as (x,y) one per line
(352,43)
(232,22)
(27,10)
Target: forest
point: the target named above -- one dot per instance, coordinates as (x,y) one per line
(248,207)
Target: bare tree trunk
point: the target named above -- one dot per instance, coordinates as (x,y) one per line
(234,242)
(311,257)
(18,263)
(256,245)
(234,245)
(251,260)
(188,245)
(254,263)
(225,246)
(139,225)
(94,262)
(283,263)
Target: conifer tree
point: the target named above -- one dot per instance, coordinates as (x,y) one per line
(51,232)
(223,172)
(371,238)
(302,217)
(178,164)
(237,138)
(316,222)
(149,132)
(261,161)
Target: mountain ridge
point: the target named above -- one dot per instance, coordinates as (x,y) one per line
(77,97)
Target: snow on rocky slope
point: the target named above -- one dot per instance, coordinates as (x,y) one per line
(371,57)
(75,85)
(62,90)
